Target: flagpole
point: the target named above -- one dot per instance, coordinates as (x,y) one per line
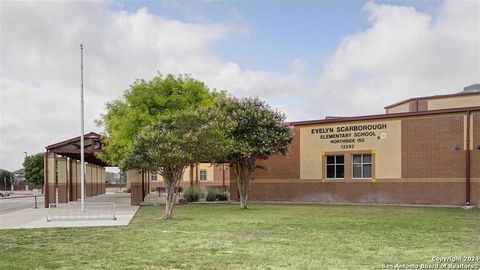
(82,146)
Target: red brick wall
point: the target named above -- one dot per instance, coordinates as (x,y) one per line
(451,193)
(428,147)
(282,167)
(218,173)
(475,160)
(433,170)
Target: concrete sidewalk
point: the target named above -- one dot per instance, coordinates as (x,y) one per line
(36,218)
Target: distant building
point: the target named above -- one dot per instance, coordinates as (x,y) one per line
(113,178)
(19,176)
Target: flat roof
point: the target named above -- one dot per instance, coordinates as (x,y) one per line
(432,97)
(381,116)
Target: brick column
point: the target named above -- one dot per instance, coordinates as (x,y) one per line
(50,169)
(74,180)
(98,180)
(88,181)
(104,185)
(134,177)
(62,180)
(78,184)
(94,180)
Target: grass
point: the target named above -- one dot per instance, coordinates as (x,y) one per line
(265,236)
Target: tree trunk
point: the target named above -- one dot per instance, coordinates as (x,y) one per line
(243,171)
(171,178)
(169,202)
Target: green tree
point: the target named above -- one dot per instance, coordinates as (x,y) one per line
(143,104)
(33,165)
(5,179)
(259,132)
(176,141)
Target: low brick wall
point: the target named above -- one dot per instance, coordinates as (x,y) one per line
(428,193)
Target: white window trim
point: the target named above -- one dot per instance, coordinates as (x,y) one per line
(362,163)
(200,175)
(335,167)
(156,176)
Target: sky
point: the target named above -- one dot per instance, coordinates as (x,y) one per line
(309,59)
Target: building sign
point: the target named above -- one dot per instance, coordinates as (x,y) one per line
(349,135)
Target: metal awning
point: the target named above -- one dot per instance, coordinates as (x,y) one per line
(71,148)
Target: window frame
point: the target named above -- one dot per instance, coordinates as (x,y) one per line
(362,164)
(200,175)
(154,176)
(335,164)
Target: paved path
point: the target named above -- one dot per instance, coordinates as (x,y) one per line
(14,203)
(36,218)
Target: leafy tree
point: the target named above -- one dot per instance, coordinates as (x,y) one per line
(33,165)
(143,104)
(259,132)
(5,179)
(177,140)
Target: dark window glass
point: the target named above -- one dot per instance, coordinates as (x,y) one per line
(330,159)
(335,167)
(330,171)
(357,171)
(340,171)
(362,166)
(367,171)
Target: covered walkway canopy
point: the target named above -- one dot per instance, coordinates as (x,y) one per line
(71,148)
(62,169)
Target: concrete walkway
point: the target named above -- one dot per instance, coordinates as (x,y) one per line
(36,218)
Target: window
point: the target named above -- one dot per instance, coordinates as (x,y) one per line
(153,177)
(362,166)
(203,175)
(335,167)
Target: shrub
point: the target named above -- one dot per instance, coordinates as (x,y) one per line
(222,196)
(212,194)
(192,194)
(182,201)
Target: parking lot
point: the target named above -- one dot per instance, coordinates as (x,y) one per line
(18,201)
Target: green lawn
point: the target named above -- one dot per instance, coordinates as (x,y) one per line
(266,236)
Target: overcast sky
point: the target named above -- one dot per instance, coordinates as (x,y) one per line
(308,59)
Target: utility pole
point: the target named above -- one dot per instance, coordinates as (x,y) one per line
(82,143)
(26,182)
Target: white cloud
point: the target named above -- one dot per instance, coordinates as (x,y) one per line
(404,53)
(40,66)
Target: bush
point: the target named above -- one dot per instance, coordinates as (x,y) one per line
(192,194)
(222,196)
(212,194)
(182,201)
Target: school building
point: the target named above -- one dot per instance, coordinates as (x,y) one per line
(423,150)
(200,175)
